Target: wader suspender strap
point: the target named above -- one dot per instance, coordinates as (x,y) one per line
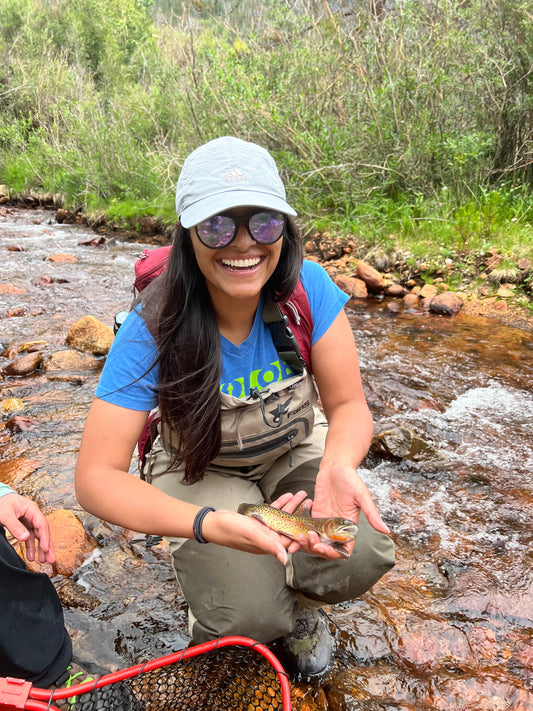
(283,337)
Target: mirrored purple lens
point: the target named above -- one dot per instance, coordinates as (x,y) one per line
(266,227)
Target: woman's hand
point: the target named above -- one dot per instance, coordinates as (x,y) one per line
(25,521)
(341,492)
(245,533)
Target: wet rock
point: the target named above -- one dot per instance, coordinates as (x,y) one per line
(306,698)
(402,443)
(65,216)
(90,335)
(62,258)
(428,644)
(396,290)
(392,308)
(12,404)
(14,471)
(17,312)
(355,288)
(22,424)
(24,365)
(73,595)
(11,290)
(71,360)
(29,347)
(428,291)
(71,543)
(374,281)
(447,304)
(411,301)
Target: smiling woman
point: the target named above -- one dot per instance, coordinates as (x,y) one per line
(236,422)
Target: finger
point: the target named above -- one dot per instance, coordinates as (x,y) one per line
(295,502)
(30,548)
(289,502)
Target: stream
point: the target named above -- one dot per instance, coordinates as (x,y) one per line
(450,627)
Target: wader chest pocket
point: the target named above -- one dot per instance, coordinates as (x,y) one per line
(258,449)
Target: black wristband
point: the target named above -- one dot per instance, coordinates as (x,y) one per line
(197,524)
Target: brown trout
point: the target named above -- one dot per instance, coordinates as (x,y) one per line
(333,531)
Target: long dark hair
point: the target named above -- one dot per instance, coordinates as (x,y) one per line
(179,313)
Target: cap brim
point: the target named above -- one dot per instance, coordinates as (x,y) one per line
(214,204)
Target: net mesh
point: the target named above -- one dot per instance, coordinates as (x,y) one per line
(224,678)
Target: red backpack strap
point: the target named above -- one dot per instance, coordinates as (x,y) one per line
(298,311)
(291,325)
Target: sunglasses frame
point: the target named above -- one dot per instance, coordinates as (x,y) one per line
(237,221)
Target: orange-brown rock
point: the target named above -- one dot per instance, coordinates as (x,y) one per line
(411,301)
(90,335)
(71,544)
(355,288)
(373,279)
(428,291)
(62,258)
(395,290)
(24,365)
(11,290)
(14,471)
(447,304)
(71,360)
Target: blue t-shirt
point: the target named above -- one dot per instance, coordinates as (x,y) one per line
(129,380)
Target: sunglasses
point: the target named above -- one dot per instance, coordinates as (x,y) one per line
(265,227)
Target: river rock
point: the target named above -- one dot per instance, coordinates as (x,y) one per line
(71,360)
(428,291)
(374,280)
(62,258)
(22,424)
(11,290)
(447,304)
(71,544)
(395,290)
(74,595)
(12,404)
(411,301)
(24,365)
(91,335)
(403,443)
(355,288)
(14,471)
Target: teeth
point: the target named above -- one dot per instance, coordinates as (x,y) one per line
(241,263)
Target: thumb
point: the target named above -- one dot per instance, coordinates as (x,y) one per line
(16,528)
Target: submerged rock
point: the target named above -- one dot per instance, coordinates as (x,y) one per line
(71,360)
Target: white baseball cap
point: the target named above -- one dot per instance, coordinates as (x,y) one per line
(225,173)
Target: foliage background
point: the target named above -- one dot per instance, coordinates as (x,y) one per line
(400,122)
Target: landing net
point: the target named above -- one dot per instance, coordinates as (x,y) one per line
(228,673)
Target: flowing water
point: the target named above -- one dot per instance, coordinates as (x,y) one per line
(451,626)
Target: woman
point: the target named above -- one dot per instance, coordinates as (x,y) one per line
(199,349)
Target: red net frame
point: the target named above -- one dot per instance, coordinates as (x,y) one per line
(20,694)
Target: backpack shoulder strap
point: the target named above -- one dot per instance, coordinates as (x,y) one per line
(291,325)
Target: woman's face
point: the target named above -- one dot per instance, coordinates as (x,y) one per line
(242,268)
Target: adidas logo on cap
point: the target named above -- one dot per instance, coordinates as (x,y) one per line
(234,176)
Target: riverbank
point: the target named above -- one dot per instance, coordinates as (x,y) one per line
(490,284)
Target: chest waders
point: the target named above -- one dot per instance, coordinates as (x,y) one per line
(259,428)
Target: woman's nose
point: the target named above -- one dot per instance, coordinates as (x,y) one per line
(243,239)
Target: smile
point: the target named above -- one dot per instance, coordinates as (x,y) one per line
(247,263)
